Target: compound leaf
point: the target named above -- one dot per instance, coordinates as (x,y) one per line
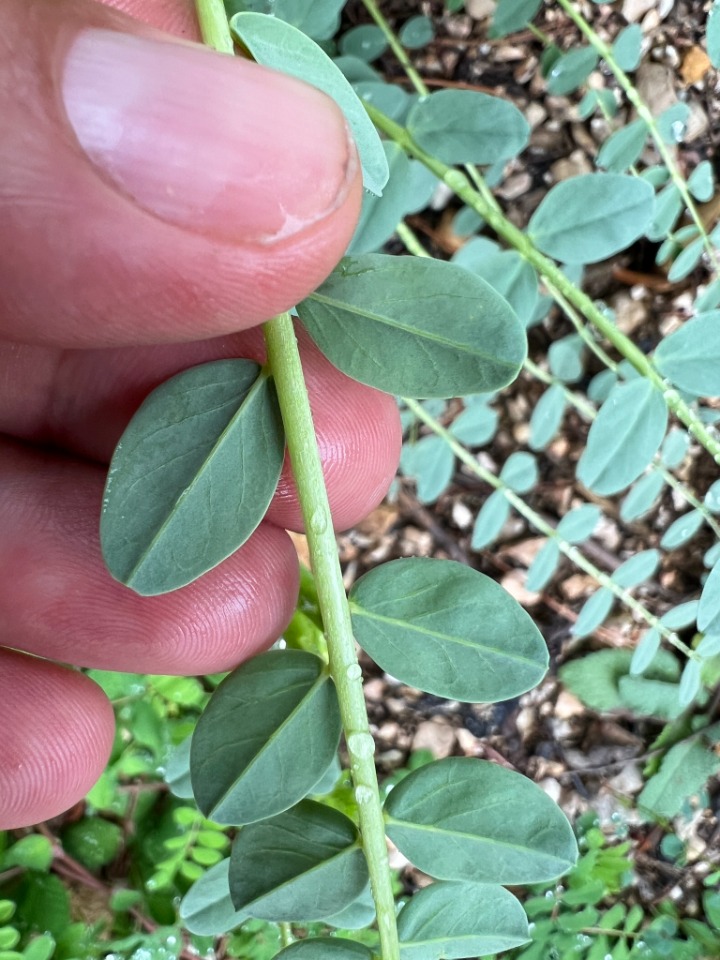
(591,217)
(464,126)
(325,948)
(457,920)
(467,819)
(420,328)
(206,908)
(305,864)
(192,475)
(277,712)
(277,44)
(447,629)
(624,437)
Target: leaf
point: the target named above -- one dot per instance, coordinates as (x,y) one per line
(206,909)
(416,327)
(211,434)
(512,277)
(546,417)
(543,566)
(668,205)
(358,915)
(642,496)
(431,463)
(591,217)
(595,678)
(477,424)
(467,819)
(641,566)
(687,260)
(690,683)
(456,920)
(708,617)
(366,41)
(447,629)
(593,612)
(623,147)
(571,70)
(318,20)
(627,48)
(512,15)
(34,852)
(464,126)
(278,711)
(380,215)
(675,448)
(623,438)
(276,44)
(520,472)
(304,864)
(579,524)
(672,123)
(325,948)
(645,652)
(712,34)
(416,32)
(490,520)
(682,774)
(565,357)
(391,100)
(690,357)
(701,182)
(681,530)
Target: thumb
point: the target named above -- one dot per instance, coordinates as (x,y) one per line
(154,190)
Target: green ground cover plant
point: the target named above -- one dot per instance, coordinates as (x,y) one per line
(262,833)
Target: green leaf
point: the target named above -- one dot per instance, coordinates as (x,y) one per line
(675,448)
(672,123)
(642,496)
(34,852)
(93,841)
(206,908)
(447,629)
(641,566)
(645,652)
(627,48)
(388,98)
(320,871)
(39,948)
(712,34)
(477,424)
(701,182)
(623,438)
(520,471)
(623,147)
(278,711)
(571,70)
(380,215)
(431,463)
(281,46)
(596,677)
(416,327)
(565,358)
(467,819)
(490,520)
(687,260)
(512,277)
(682,774)
(591,217)
(546,417)
(357,916)
(464,126)
(690,357)
(681,530)
(456,920)
(365,41)
(708,616)
(593,613)
(668,205)
(177,771)
(513,15)
(210,434)
(325,948)
(579,524)
(416,32)
(318,20)
(543,566)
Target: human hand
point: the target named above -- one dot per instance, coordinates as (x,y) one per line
(156,199)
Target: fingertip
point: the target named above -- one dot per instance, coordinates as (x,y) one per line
(57,734)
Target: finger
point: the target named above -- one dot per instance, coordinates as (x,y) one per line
(162,191)
(173,16)
(81,401)
(57,733)
(58,601)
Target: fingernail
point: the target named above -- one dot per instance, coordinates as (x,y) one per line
(211,143)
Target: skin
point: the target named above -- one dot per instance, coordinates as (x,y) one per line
(101,299)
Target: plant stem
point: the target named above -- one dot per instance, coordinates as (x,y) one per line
(284,361)
(214,27)
(552,274)
(286,935)
(396,47)
(631,92)
(571,552)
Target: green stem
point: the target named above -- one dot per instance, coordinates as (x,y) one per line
(571,552)
(284,361)
(286,935)
(396,47)
(553,276)
(643,112)
(214,27)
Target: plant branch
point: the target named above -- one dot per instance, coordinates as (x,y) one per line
(284,361)
(553,276)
